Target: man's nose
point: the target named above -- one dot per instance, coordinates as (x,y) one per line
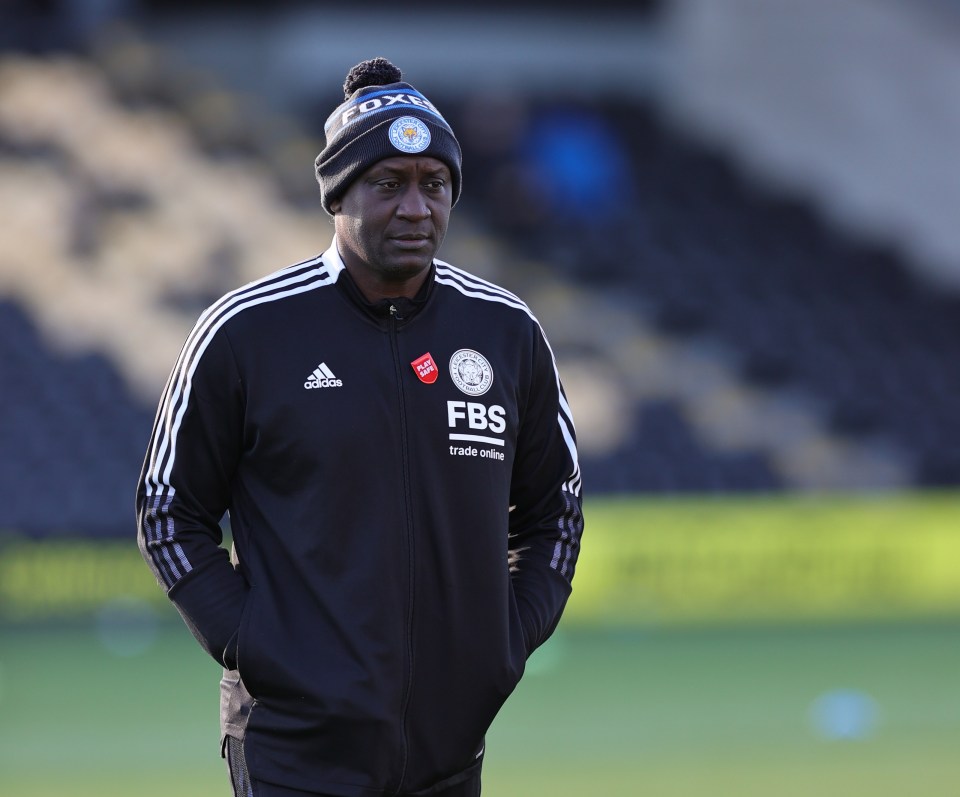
(413,204)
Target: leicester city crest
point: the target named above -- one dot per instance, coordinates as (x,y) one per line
(471,372)
(409,134)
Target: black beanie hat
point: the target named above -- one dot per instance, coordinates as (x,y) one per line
(381,117)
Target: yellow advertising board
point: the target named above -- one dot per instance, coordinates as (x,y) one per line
(644,561)
(736,560)
(65,579)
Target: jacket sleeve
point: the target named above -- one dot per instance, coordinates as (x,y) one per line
(184,490)
(546,521)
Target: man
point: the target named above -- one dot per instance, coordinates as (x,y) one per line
(390,438)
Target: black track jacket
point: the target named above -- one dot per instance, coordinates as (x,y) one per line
(378,464)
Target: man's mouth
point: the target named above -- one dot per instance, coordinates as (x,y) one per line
(411,241)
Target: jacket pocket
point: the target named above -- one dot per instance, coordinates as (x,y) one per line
(246,664)
(463,784)
(519,649)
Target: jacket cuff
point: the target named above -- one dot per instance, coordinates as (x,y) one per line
(211,599)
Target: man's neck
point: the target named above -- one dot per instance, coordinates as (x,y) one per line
(375,290)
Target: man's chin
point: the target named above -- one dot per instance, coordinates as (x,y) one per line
(394,277)
(407,267)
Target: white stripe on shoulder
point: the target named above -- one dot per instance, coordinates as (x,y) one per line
(299,278)
(275,279)
(478,288)
(480,292)
(473,280)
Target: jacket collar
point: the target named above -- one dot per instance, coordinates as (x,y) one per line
(406,308)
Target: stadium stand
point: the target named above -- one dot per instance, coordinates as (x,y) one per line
(713,337)
(794,305)
(72,433)
(115,233)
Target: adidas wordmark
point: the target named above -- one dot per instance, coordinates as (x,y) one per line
(322,377)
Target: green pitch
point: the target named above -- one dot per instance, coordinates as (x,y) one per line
(758,713)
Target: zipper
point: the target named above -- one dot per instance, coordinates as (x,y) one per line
(411,570)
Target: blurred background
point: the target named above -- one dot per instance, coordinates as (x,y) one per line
(737,222)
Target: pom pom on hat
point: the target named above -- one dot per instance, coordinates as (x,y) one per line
(381,117)
(375,72)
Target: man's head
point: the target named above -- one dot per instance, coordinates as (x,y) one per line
(381,117)
(391,221)
(389,175)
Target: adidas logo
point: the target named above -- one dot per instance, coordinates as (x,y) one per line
(322,377)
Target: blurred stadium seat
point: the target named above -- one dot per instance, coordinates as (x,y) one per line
(797,308)
(717,337)
(760,391)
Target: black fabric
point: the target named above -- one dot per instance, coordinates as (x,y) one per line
(361,680)
(468,788)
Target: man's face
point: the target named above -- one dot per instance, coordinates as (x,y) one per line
(393,218)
